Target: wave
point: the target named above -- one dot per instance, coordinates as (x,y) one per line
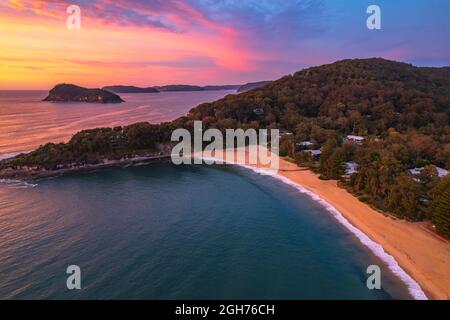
(413,287)
(17,184)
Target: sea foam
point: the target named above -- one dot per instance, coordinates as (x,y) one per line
(17,184)
(413,287)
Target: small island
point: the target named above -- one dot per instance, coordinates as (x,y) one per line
(72,93)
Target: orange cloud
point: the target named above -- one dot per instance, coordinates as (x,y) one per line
(38,50)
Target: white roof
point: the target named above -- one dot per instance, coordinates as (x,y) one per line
(305,143)
(441,172)
(351,167)
(416,171)
(357,138)
(314,152)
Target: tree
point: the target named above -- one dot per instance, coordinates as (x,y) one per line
(141,135)
(441,213)
(287,147)
(336,164)
(404,197)
(327,151)
(440,205)
(332,160)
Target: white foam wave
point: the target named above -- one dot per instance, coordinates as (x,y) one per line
(413,287)
(17,184)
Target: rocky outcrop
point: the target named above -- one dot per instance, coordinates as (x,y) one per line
(72,93)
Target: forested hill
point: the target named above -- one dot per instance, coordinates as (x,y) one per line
(399,112)
(352,96)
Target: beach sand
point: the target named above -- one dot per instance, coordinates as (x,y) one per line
(423,254)
(420,252)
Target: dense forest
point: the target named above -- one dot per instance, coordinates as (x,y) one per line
(402,113)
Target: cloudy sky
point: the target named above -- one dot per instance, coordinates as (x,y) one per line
(157,42)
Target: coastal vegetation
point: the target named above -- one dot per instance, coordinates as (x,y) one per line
(386,117)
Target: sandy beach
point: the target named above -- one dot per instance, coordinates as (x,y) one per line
(420,252)
(423,254)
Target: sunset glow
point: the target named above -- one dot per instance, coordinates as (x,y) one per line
(202,42)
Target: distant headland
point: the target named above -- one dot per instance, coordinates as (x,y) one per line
(72,93)
(108,94)
(168,88)
(252,85)
(130,89)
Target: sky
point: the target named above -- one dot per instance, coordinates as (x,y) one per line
(157,42)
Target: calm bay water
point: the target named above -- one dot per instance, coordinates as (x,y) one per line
(166,232)
(27,122)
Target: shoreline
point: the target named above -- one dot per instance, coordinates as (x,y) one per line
(33,175)
(423,255)
(417,255)
(414,289)
(413,252)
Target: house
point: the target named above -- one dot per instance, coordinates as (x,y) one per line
(351,167)
(284,132)
(314,153)
(416,171)
(304,144)
(356,139)
(258,111)
(441,172)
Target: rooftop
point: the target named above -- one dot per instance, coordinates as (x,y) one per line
(441,172)
(351,167)
(314,152)
(355,138)
(305,143)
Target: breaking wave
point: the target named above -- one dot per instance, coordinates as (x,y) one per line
(17,184)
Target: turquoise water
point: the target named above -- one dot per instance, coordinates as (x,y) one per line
(166,232)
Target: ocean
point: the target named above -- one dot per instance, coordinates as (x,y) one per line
(27,122)
(161,231)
